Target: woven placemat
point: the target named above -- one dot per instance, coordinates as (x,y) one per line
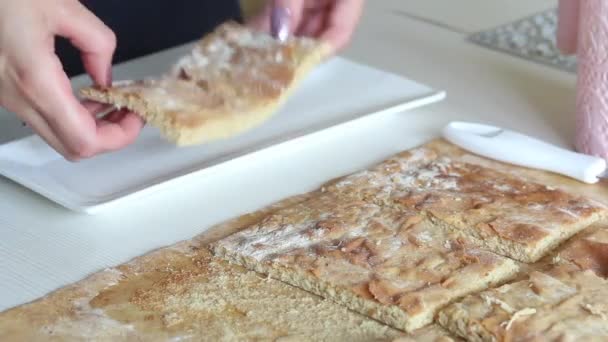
(532,38)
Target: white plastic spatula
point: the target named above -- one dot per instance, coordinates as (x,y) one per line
(518,149)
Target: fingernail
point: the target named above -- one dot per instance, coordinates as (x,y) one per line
(279,22)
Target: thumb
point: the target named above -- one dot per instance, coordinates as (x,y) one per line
(342,22)
(95,41)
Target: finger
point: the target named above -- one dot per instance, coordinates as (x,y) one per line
(35,87)
(120,128)
(14,99)
(113,117)
(97,109)
(294,8)
(317,4)
(342,21)
(41,127)
(92,37)
(314,24)
(124,131)
(49,91)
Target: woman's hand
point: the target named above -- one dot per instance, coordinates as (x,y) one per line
(333,21)
(34,86)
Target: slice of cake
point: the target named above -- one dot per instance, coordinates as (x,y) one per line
(588,250)
(564,304)
(233,80)
(502,213)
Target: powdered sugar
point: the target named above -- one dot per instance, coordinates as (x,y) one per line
(537,206)
(417,155)
(260,244)
(290,237)
(567,212)
(503,187)
(425,236)
(435,175)
(218,54)
(88,322)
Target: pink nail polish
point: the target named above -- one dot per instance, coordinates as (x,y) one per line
(280,22)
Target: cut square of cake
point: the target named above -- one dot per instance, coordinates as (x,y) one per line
(388,263)
(502,213)
(563,304)
(588,250)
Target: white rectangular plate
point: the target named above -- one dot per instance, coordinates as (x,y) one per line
(337,92)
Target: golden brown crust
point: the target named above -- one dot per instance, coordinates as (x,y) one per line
(564,304)
(506,214)
(233,80)
(383,261)
(587,250)
(597,192)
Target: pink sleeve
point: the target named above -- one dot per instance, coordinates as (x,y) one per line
(592,83)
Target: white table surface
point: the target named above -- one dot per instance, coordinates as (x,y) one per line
(43,246)
(468,16)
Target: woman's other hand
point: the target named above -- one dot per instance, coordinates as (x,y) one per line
(34,86)
(333,21)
